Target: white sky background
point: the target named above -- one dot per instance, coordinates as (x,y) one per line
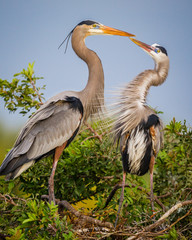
(33,30)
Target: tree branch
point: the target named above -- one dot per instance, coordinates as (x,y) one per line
(179,219)
(162,219)
(8,198)
(96,135)
(35,89)
(65,204)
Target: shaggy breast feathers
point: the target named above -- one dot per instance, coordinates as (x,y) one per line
(137,146)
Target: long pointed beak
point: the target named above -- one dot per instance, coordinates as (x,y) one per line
(113,31)
(143,45)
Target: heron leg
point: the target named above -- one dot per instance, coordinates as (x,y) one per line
(121,198)
(151,168)
(58,152)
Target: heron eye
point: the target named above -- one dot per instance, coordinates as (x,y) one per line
(157,50)
(95,26)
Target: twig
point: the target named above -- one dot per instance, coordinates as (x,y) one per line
(167,214)
(8,198)
(179,219)
(165,195)
(65,204)
(186,227)
(35,89)
(87,138)
(94,132)
(106,177)
(46,198)
(162,219)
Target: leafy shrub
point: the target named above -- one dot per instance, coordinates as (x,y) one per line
(87,168)
(174,165)
(173,174)
(22,93)
(36,220)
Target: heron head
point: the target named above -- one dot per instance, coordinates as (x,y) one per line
(157,52)
(88,27)
(95,28)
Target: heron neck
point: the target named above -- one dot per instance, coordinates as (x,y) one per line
(139,87)
(92,96)
(131,107)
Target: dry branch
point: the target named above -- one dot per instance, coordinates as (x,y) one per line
(162,219)
(147,232)
(179,219)
(96,135)
(165,195)
(167,214)
(8,198)
(65,204)
(46,198)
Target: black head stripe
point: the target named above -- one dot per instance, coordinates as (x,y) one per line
(163,50)
(87,22)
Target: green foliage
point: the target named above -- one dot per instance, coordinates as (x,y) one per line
(36,220)
(25,218)
(90,168)
(173,173)
(40,219)
(174,165)
(22,91)
(82,170)
(172,235)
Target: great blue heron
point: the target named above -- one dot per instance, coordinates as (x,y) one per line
(51,128)
(137,127)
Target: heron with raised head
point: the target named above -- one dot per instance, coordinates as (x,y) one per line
(55,124)
(137,127)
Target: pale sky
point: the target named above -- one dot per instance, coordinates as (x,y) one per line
(33,30)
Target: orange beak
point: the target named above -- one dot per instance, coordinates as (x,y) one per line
(113,31)
(143,45)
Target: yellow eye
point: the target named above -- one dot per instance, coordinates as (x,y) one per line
(95,26)
(157,50)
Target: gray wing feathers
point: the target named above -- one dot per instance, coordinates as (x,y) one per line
(15,153)
(45,111)
(41,114)
(47,129)
(53,132)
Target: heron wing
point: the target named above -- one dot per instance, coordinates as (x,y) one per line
(43,113)
(49,128)
(54,131)
(155,126)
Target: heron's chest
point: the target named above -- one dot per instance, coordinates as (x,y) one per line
(136,151)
